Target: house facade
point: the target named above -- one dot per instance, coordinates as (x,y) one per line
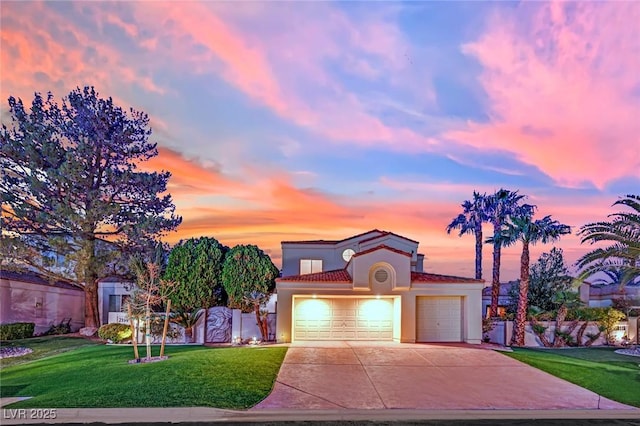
(372,286)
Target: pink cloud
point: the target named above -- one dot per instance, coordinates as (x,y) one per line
(34,60)
(279,57)
(560,78)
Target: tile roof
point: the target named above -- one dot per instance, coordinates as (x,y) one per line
(332,241)
(504,289)
(425,277)
(36,278)
(382,246)
(342,276)
(387,233)
(336,276)
(614,290)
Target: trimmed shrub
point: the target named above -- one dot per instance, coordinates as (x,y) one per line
(115,332)
(17,330)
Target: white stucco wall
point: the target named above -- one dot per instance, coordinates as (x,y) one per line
(471,294)
(106,289)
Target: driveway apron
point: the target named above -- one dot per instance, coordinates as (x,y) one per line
(372,375)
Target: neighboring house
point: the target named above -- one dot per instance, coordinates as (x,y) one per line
(594,296)
(372,287)
(600,296)
(503,299)
(112,295)
(30,297)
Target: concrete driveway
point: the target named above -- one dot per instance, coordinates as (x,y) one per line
(372,375)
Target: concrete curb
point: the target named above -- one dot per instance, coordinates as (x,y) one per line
(213,415)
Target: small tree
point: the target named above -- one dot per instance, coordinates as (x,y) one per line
(548,276)
(196,264)
(150,291)
(248,276)
(608,319)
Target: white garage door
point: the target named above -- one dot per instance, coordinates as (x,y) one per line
(439,319)
(343,319)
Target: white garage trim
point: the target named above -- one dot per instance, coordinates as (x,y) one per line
(439,319)
(344,318)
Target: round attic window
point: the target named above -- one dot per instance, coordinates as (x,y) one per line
(347,254)
(381,275)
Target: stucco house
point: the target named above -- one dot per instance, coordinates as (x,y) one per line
(372,286)
(30,297)
(603,295)
(503,299)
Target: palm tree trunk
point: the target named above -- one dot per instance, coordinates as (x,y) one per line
(523,298)
(478,233)
(495,283)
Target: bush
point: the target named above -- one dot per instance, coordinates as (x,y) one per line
(608,318)
(63,328)
(115,332)
(17,330)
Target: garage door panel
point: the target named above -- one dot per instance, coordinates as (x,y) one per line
(439,319)
(343,319)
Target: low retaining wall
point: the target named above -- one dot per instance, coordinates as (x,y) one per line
(503,330)
(223,324)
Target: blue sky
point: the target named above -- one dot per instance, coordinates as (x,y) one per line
(285,120)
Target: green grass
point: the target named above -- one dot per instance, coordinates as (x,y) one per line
(99,376)
(600,370)
(43,347)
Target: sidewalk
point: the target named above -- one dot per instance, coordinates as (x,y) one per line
(213,415)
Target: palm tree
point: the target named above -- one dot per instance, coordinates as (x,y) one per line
(623,231)
(470,222)
(522,228)
(498,208)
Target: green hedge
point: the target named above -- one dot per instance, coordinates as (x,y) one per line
(115,332)
(17,330)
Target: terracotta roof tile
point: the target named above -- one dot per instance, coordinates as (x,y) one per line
(504,289)
(36,278)
(332,241)
(424,277)
(387,233)
(382,246)
(339,275)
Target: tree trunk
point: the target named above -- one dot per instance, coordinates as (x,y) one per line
(91,312)
(478,232)
(580,332)
(495,283)
(562,314)
(261,324)
(523,298)
(545,342)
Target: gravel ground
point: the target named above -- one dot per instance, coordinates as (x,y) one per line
(8,352)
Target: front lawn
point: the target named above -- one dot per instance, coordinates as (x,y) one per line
(600,370)
(43,347)
(99,376)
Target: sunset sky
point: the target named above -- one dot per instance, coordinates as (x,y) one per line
(310,120)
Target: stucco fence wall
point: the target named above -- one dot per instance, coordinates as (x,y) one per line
(503,330)
(223,325)
(43,305)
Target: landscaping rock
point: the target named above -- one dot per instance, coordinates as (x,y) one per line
(88,331)
(9,352)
